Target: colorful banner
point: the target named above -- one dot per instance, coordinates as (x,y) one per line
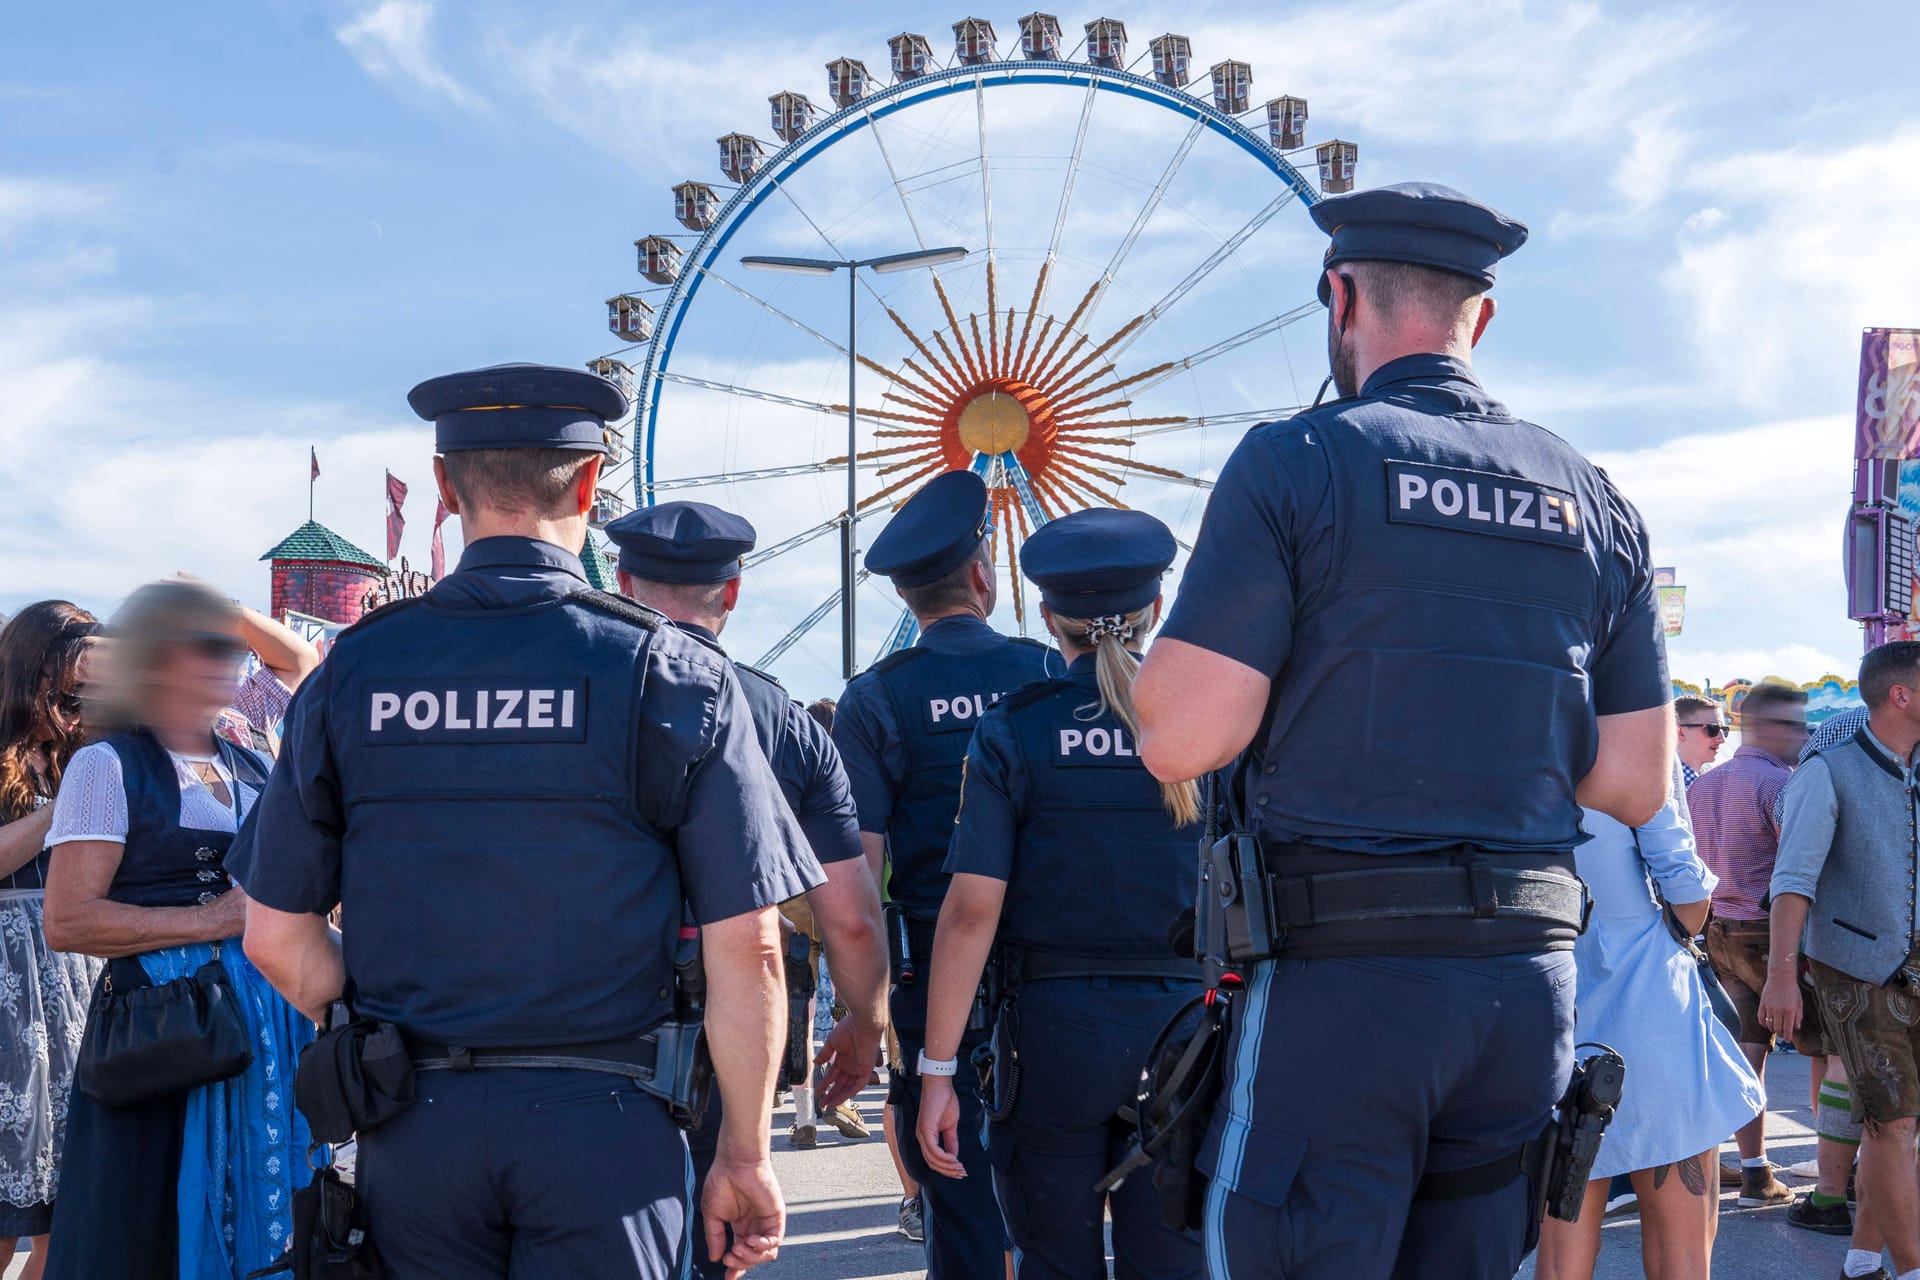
(1888,423)
(1665,577)
(396,523)
(1673,608)
(1826,697)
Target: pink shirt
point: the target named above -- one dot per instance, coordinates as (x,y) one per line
(1735,831)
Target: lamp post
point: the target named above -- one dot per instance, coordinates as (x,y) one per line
(826,267)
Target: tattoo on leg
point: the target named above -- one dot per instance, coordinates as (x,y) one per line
(1692,1177)
(1660,1176)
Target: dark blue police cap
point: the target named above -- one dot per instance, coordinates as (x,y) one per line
(1423,223)
(682,542)
(935,532)
(1101,561)
(518,406)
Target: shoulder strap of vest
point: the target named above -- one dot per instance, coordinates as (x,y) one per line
(897,659)
(769,677)
(620,607)
(387,610)
(1030,642)
(1033,691)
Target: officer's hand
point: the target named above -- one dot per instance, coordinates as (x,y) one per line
(743,1195)
(848,1055)
(940,1126)
(1780,1003)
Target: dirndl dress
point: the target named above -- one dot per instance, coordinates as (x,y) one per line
(1640,992)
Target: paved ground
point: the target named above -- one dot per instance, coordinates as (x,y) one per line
(843,1201)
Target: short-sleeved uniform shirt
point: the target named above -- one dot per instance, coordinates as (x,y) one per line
(511,789)
(1444,598)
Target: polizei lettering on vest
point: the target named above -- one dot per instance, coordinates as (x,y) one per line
(963,706)
(1483,502)
(1096,741)
(468,710)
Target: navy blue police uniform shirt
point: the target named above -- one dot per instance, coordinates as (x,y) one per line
(510,792)
(1444,596)
(1056,803)
(804,759)
(902,728)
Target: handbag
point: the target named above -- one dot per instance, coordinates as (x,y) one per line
(155,1042)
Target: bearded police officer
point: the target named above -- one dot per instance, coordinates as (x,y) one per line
(511,786)
(902,728)
(683,559)
(1432,628)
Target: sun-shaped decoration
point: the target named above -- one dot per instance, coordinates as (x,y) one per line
(1032,415)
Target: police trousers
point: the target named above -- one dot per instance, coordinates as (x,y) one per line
(1350,1078)
(965,1237)
(528,1175)
(1082,1043)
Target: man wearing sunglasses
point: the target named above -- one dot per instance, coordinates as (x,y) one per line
(1702,730)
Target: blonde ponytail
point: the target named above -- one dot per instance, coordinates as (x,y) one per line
(1115,668)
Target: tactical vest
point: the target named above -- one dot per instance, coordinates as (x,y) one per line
(1098,866)
(1437,692)
(508,876)
(937,700)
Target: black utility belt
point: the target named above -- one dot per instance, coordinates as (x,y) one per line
(1026,964)
(1250,912)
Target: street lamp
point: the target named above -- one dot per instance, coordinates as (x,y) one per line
(826,267)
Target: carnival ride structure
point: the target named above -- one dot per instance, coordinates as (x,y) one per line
(1123,317)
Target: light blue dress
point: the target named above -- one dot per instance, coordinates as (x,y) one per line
(1688,1087)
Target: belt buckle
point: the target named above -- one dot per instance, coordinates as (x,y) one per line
(459,1058)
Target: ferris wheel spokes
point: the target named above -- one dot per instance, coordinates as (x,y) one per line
(1066,196)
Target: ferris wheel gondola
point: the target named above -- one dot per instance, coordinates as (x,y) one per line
(1001,364)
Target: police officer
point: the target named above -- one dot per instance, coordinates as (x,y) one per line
(683,559)
(511,786)
(902,728)
(1432,627)
(1068,852)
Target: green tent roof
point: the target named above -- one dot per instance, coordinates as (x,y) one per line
(593,557)
(314,541)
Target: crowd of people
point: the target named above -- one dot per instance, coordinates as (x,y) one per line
(469,891)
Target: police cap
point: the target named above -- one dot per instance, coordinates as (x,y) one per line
(518,406)
(1097,562)
(1423,223)
(682,542)
(935,532)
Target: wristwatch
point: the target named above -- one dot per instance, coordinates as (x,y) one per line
(937,1066)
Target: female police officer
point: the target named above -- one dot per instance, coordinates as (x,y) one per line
(1068,851)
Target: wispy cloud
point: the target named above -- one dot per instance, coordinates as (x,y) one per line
(393,40)
(25,200)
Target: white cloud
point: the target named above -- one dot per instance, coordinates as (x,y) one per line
(25,201)
(392,40)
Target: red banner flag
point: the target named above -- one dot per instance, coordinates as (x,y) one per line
(439,552)
(396,523)
(313,459)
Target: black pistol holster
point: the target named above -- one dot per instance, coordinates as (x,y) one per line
(796,1064)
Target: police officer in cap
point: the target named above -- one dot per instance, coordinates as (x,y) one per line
(512,786)
(1071,856)
(683,559)
(902,728)
(1431,626)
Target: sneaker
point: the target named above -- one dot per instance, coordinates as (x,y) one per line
(1881,1274)
(848,1121)
(1759,1188)
(1805,1169)
(1730,1171)
(912,1225)
(1828,1220)
(804,1137)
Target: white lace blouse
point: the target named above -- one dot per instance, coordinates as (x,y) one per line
(92,804)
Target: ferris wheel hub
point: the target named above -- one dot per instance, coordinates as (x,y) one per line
(994,422)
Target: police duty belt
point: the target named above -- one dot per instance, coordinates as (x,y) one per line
(1473,890)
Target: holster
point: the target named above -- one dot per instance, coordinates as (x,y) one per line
(330,1240)
(1179,1085)
(901,961)
(796,1064)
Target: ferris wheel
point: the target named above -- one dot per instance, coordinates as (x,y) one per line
(1128,306)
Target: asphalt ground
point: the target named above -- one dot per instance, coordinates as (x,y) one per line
(843,1207)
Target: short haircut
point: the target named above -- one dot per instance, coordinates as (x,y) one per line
(822,709)
(1692,704)
(1886,666)
(1403,290)
(953,590)
(538,481)
(693,599)
(1769,695)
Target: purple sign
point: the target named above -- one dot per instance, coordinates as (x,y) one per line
(1888,425)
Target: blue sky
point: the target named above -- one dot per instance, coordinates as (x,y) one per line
(228,232)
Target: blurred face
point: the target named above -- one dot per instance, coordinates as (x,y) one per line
(196,679)
(1702,734)
(1780,729)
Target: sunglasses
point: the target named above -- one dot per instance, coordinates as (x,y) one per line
(1798,725)
(1711,730)
(215,646)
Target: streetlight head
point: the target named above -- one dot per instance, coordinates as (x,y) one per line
(918,258)
(793,266)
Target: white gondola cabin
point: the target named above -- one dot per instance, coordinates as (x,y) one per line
(1171,56)
(608,505)
(1337,160)
(618,372)
(846,81)
(793,115)
(1040,37)
(659,259)
(694,204)
(1232,84)
(912,55)
(1107,43)
(740,156)
(974,42)
(630,317)
(1287,122)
